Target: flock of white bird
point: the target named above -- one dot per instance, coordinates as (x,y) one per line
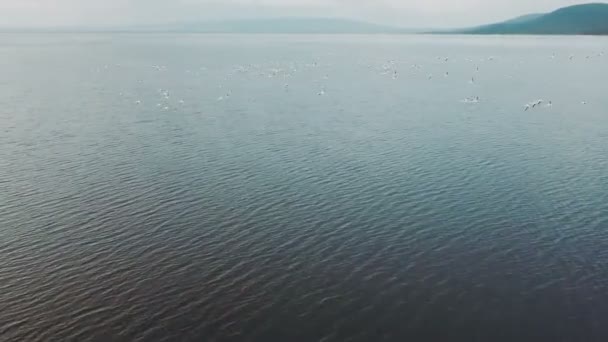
(389,68)
(537,104)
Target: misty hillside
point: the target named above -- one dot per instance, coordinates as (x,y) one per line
(284,25)
(588,19)
(524,18)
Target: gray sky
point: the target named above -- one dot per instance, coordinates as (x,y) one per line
(406,13)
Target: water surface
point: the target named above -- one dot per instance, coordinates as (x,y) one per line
(303,188)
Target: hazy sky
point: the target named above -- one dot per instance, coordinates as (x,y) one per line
(406,13)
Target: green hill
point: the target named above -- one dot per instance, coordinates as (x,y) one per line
(587,19)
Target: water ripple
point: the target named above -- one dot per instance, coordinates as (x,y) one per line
(374,212)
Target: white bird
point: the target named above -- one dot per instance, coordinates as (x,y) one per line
(138,102)
(584,102)
(526,107)
(471,100)
(321,93)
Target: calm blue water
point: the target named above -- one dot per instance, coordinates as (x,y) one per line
(303,188)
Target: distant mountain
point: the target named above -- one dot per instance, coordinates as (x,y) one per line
(524,18)
(281,25)
(587,19)
(277,25)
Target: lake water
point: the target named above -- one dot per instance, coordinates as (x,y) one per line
(303,188)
